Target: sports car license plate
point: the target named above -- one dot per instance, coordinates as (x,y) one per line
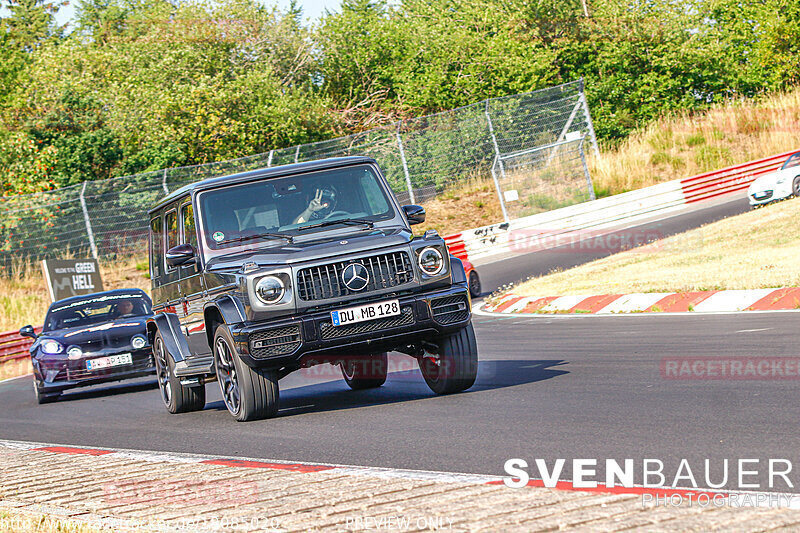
(362,313)
(106,362)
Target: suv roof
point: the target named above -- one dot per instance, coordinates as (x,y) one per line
(270,172)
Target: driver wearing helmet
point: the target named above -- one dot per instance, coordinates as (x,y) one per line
(322,200)
(124,308)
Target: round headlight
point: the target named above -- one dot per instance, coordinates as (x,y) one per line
(138,342)
(74,352)
(50,346)
(431,261)
(270,289)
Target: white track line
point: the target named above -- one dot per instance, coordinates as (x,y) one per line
(12,379)
(476,310)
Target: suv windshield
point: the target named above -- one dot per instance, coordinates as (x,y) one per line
(96,311)
(279,208)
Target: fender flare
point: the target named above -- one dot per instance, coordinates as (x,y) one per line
(225,309)
(457,269)
(170,328)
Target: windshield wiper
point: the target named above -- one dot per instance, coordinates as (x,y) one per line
(348,221)
(288,238)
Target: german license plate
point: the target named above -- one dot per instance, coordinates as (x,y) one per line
(107,362)
(362,313)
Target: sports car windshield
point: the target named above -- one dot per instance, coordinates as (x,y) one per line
(97,310)
(793,161)
(277,209)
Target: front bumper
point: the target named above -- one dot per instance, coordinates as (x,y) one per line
(284,343)
(59,373)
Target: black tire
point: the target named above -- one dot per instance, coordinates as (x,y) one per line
(474,282)
(248,393)
(456,366)
(176,397)
(796,186)
(44,397)
(365,372)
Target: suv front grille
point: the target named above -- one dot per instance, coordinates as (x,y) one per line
(276,341)
(325,281)
(450,310)
(405,318)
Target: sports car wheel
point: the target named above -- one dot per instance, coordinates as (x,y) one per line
(41,397)
(796,186)
(474,284)
(248,393)
(455,367)
(176,397)
(365,372)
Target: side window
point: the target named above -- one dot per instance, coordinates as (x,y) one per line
(189,233)
(171,227)
(156,248)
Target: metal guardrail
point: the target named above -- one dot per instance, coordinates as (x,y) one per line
(14,347)
(607,214)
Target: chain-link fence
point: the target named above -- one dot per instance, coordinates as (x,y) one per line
(421,158)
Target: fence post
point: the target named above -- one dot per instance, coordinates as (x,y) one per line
(496,146)
(499,190)
(269,159)
(163,182)
(87,221)
(297,154)
(405,165)
(586,172)
(589,122)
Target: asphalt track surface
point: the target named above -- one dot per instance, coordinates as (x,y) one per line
(548,387)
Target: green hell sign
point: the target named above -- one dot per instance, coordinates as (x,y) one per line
(71,277)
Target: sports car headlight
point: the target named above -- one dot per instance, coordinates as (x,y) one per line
(270,289)
(49,346)
(138,342)
(431,261)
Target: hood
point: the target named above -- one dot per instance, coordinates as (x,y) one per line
(118,329)
(766,181)
(327,246)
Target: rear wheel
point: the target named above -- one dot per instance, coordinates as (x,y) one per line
(365,372)
(455,367)
(248,393)
(176,397)
(474,284)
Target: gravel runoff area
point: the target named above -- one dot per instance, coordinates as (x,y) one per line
(86,490)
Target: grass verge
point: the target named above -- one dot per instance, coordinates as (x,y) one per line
(754,250)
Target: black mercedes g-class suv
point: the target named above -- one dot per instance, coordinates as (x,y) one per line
(258,274)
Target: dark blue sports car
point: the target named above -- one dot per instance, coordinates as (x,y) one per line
(91,339)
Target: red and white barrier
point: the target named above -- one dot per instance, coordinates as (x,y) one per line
(600,217)
(678,302)
(13,347)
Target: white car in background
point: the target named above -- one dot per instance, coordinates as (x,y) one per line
(783,183)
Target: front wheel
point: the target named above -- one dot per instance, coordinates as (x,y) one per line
(365,372)
(176,397)
(796,186)
(43,397)
(455,367)
(474,284)
(248,393)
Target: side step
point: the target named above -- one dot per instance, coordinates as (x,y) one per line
(196,366)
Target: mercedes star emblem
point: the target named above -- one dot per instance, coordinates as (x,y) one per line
(355,277)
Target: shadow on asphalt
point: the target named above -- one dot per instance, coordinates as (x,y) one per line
(406,386)
(103,391)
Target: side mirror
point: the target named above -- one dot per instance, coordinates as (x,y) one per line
(180,255)
(27,331)
(414,213)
